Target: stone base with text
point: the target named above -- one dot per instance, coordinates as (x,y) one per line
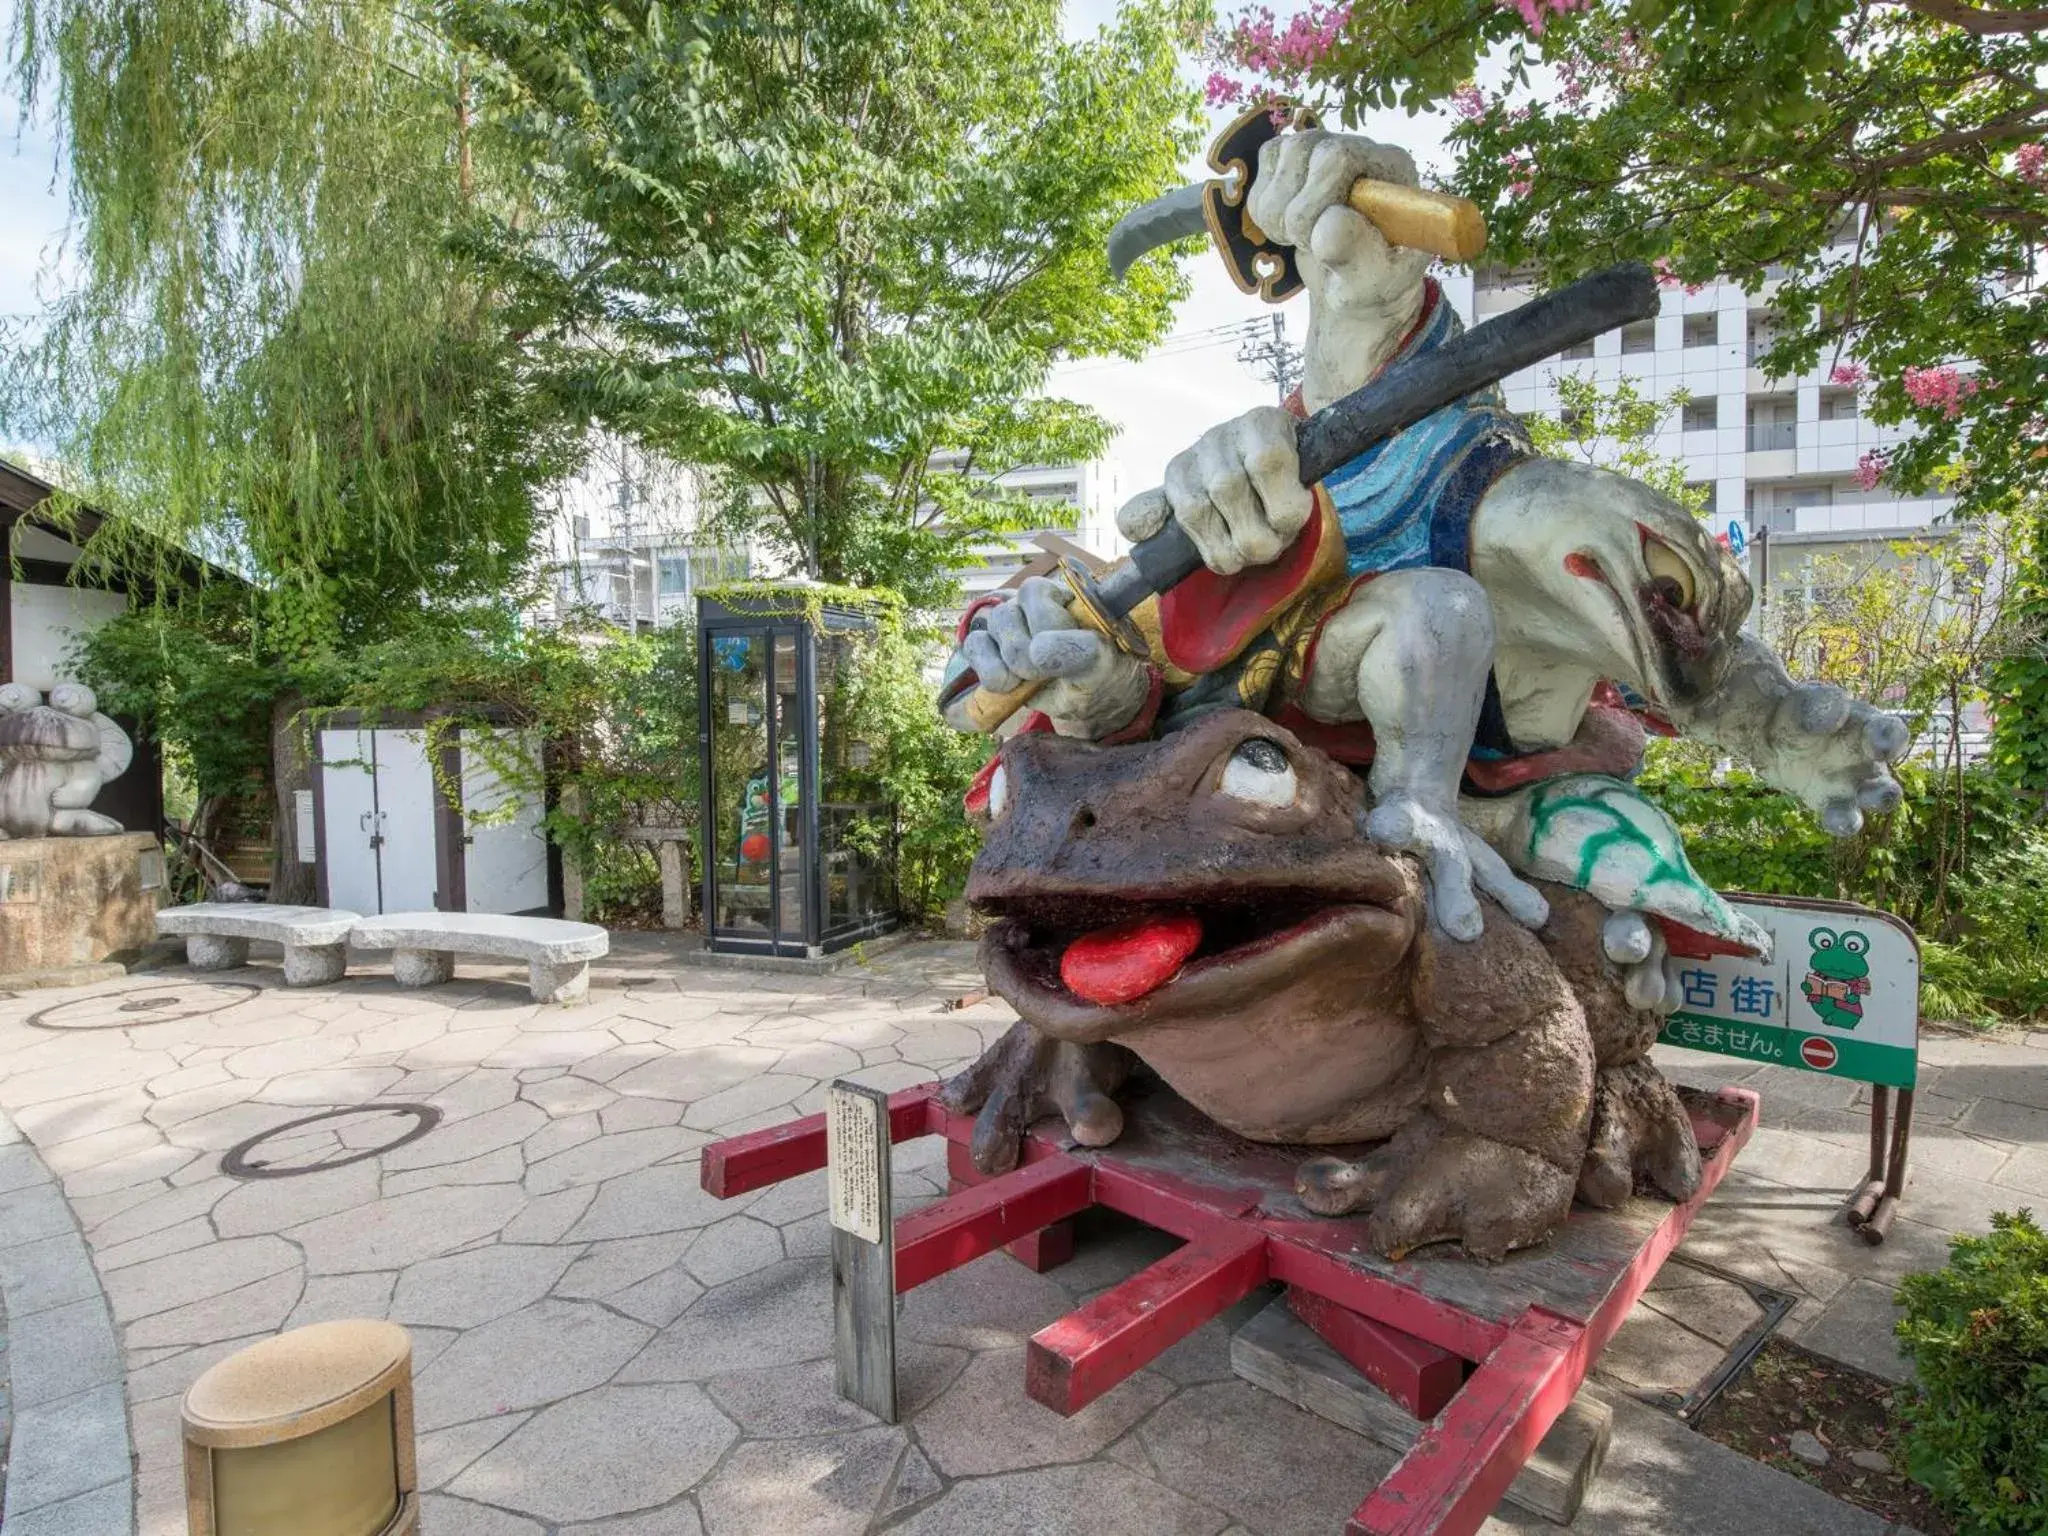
(76,901)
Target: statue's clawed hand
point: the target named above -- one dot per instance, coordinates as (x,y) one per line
(1835,753)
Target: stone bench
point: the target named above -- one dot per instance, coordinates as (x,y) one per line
(217,935)
(425,944)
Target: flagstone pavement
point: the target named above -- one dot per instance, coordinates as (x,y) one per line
(603,1350)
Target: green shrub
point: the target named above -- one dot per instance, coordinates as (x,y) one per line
(1977,1423)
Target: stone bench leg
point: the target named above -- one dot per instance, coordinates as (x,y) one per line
(208,952)
(313,965)
(422,967)
(566,982)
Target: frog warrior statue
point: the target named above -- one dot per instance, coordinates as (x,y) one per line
(1483,633)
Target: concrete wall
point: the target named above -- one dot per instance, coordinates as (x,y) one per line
(47,619)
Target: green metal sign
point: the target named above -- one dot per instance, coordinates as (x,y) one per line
(1840,994)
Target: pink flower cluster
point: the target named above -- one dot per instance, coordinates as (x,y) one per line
(1257,42)
(1848,374)
(2030,161)
(1220,90)
(1942,389)
(1536,14)
(1468,103)
(1667,276)
(1870,469)
(1525,171)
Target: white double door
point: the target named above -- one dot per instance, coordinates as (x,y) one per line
(382,830)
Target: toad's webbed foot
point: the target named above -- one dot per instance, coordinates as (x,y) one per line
(1460,862)
(1642,1138)
(1432,1184)
(1025,1076)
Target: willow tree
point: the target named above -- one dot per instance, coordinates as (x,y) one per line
(832,248)
(272,346)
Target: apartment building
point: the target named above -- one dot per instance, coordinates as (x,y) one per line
(626,542)
(1080,502)
(1778,456)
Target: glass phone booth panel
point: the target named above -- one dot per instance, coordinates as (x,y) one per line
(799,847)
(740,853)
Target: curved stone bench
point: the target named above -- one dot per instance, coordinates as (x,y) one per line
(217,935)
(425,945)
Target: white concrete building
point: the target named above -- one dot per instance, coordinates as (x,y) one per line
(1081,501)
(626,541)
(1779,456)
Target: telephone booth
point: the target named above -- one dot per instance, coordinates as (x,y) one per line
(799,851)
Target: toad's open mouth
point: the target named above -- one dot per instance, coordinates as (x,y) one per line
(1088,954)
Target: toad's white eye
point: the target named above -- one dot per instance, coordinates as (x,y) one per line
(1258,771)
(998,792)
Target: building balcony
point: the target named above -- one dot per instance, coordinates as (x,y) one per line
(1906,519)
(1773,436)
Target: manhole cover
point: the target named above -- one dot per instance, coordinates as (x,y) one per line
(334,1138)
(157,1005)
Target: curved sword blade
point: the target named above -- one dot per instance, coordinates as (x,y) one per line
(1160,222)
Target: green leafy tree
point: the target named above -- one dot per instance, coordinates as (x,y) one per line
(830,249)
(1884,162)
(275,349)
(1616,429)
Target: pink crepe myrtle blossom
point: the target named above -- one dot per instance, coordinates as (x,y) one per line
(1525,171)
(1667,276)
(1849,375)
(1468,103)
(1536,14)
(1255,40)
(1943,389)
(2030,163)
(1220,90)
(1870,469)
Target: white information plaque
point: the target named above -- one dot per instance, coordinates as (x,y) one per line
(856,1142)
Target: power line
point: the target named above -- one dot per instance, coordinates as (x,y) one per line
(1182,342)
(1274,357)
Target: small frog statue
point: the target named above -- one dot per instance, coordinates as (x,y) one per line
(55,757)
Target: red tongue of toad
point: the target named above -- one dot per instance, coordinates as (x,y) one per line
(1123,963)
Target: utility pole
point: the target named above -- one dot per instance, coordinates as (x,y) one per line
(626,537)
(1275,357)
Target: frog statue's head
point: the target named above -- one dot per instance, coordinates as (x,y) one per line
(1212,870)
(1628,586)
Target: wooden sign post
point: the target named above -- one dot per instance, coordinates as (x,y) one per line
(863,1246)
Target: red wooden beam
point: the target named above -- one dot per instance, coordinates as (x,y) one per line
(1085,1353)
(964,1226)
(1307,1267)
(1456,1474)
(1418,1375)
(741,1164)
(1047,1248)
(1459,1470)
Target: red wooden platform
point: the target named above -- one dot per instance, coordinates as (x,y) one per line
(1490,1354)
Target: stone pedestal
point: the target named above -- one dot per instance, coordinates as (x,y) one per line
(72,901)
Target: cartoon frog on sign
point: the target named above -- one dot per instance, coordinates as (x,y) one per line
(1840,978)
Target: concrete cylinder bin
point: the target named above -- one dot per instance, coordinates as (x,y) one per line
(306,1434)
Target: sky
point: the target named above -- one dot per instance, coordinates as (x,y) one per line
(1159,405)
